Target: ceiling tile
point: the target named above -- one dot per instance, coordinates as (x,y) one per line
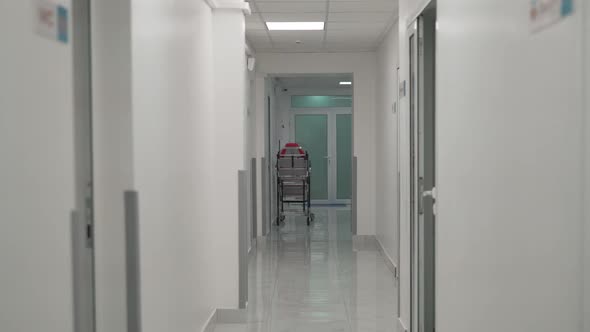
(356,26)
(289,37)
(253,22)
(257,34)
(353,25)
(359,17)
(291,7)
(362,6)
(293,17)
(353,36)
(351,46)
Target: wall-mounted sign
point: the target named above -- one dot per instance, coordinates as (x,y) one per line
(51,20)
(544,13)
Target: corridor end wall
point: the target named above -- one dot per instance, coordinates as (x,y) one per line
(283,114)
(363,67)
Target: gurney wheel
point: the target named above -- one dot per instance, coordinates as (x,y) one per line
(308,220)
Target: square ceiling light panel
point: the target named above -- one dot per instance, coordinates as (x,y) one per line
(295,26)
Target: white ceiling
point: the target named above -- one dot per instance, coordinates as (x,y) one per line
(351,25)
(314,82)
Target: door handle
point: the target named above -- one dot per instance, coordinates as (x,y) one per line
(429,193)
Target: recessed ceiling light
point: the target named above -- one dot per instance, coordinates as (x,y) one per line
(294,26)
(345,83)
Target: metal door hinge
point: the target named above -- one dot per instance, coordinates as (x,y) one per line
(89,235)
(420,46)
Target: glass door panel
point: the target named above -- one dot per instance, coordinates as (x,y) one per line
(311,132)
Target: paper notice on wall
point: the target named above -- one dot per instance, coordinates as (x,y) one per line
(51,20)
(544,13)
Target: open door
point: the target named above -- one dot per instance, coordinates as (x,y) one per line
(423,175)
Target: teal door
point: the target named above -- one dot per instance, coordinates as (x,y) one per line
(311,132)
(327,136)
(343,156)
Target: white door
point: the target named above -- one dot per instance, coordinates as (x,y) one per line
(326,134)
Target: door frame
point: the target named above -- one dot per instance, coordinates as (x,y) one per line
(83,225)
(331,113)
(413,183)
(422,36)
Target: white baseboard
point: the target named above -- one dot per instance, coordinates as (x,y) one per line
(225,316)
(211,322)
(401,326)
(232,316)
(364,242)
(388,260)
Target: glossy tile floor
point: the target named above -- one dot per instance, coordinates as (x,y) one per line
(311,279)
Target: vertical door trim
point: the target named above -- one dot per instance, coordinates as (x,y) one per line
(243,238)
(84,291)
(413,40)
(133,260)
(254,201)
(264,194)
(399,199)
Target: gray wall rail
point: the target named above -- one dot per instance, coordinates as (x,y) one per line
(265,196)
(243,237)
(133,261)
(354,195)
(82,275)
(254,199)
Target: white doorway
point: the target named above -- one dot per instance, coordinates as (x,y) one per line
(316,111)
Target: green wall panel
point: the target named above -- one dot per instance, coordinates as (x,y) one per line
(344,156)
(320,101)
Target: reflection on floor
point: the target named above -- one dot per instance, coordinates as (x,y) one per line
(310,279)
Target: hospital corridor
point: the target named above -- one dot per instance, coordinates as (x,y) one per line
(312,279)
(294,165)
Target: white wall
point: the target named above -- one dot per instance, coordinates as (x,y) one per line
(113,156)
(509,207)
(229,127)
(172,48)
(387,131)
(586,30)
(363,67)
(259,107)
(250,142)
(37,175)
